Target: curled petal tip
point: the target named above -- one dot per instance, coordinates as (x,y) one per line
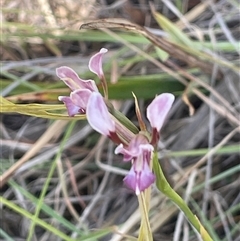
(119,149)
(95,63)
(158,109)
(66,72)
(103,50)
(72,109)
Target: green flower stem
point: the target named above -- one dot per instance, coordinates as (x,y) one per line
(145,233)
(165,188)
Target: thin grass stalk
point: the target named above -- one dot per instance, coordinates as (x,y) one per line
(46,185)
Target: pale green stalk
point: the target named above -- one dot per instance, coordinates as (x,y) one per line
(165,188)
(144,198)
(145,233)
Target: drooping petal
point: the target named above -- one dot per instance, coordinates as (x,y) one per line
(127,155)
(72,80)
(95,63)
(139,181)
(158,110)
(140,176)
(72,109)
(80,98)
(98,115)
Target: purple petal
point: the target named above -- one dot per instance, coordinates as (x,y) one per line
(133,149)
(158,109)
(127,155)
(95,63)
(72,109)
(98,115)
(72,80)
(80,98)
(139,179)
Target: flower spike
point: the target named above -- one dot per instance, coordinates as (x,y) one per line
(135,146)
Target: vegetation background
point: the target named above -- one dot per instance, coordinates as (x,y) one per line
(69,184)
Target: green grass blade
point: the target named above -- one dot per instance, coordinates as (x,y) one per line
(96,234)
(219,177)
(39,222)
(176,34)
(4,235)
(231,149)
(46,185)
(204,220)
(45,208)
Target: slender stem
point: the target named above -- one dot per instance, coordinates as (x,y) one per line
(145,233)
(105,87)
(165,188)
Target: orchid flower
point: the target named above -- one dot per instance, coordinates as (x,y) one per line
(139,150)
(81,89)
(137,147)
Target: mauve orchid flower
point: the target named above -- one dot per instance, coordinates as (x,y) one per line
(137,148)
(81,89)
(139,151)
